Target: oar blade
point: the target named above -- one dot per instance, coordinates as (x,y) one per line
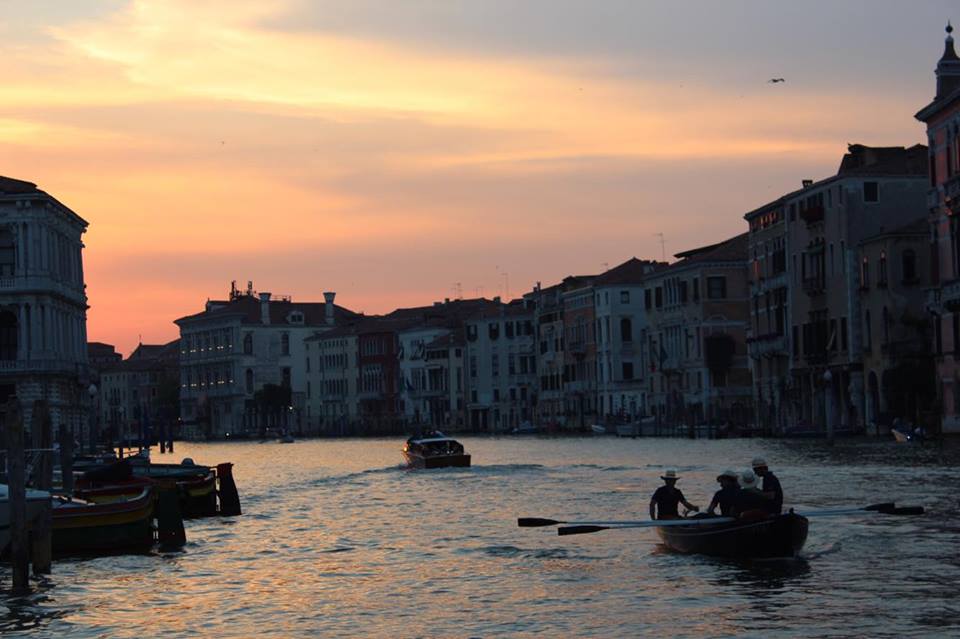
(580,530)
(534,522)
(906,510)
(881,507)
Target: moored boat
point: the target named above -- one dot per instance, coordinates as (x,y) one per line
(36,501)
(779,536)
(435,450)
(81,527)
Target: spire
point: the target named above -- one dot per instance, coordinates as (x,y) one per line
(948,68)
(948,51)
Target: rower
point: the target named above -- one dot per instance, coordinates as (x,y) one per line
(771,485)
(726,497)
(663,504)
(749,501)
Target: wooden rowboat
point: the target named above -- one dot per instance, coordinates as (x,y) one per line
(777,536)
(83,527)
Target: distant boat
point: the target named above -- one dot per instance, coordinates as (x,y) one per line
(598,429)
(435,450)
(526,428)
(643,427)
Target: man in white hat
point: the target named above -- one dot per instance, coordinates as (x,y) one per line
(663,504)
(726,497)
(771,485)
(749,498)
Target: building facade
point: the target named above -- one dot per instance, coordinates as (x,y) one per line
(43,307)
(942,117)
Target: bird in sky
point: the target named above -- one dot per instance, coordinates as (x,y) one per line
(775,80)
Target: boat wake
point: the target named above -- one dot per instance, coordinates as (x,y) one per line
(536,553)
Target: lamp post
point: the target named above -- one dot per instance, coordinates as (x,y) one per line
(92,392)
(828,390)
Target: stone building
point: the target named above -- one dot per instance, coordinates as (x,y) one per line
(241,356)
(501,367)
(942,117)
(622,357)
(698,317)
(875,188)
(580,353)
(43,307)
(768,341)
(898,363)
(331,372)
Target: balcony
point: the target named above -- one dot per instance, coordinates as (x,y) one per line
(769,345)
(18,366)
(771,283)
(950,295)
(812,214)
(813,286)
(42,283)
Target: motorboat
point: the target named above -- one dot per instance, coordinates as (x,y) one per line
(435,450)
(752,538)
(36,500)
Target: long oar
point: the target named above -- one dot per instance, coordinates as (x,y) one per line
(582,529)
(534,522)
(887,508)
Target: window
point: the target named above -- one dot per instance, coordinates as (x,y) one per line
(646,299)
(285,378)
(495,365)
(868,332)
(249,380)
(626,330)
(871,192)
(627,371)
(843,333)
(8,253)
(882,270)
(908,262)
(248,344)
(716,288)
(494,329)
(511,364)
(658,294)
(285,344)
(696,289)
(624,297)
(865,274)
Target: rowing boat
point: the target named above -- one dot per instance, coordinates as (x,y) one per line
(779,536)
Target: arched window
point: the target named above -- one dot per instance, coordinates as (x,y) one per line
(8,336)
(248,344)
(249,381)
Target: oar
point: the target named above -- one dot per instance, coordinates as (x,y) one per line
(887,508)
(534,522)
(582,529)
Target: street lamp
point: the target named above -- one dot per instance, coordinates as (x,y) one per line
(828,390)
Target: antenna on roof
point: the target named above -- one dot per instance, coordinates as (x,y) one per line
(663,246)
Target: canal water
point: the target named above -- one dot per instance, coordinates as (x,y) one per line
(337,540)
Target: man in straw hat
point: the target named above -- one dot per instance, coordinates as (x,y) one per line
(771,485)
(750,501)
(663,504)
(726,497)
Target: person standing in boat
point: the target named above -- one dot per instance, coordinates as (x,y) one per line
(726,497)
(771,485)
(663,504)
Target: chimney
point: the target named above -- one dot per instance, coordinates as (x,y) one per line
(264,308)
(328,308)
(807,183)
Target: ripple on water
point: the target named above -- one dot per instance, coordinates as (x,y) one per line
(338,540)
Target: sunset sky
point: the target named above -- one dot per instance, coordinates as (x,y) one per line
(389,150)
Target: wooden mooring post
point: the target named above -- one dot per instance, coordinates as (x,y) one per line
(41,529)
(17,499)
(66,460)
